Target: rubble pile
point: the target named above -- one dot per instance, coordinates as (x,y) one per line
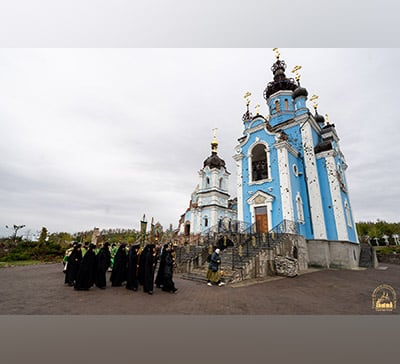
(286,266)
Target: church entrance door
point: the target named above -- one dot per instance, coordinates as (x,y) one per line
(261,219)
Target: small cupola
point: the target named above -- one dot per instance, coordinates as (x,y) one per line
(213,161)
(299,91)
(247,116)
(318,118)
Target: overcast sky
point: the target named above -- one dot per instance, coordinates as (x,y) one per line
(97,137)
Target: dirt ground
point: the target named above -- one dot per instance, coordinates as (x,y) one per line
(40,290)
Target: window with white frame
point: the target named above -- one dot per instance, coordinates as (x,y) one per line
(259,163)
(299,207)
(348,214)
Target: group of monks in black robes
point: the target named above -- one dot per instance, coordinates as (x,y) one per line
(85,270)
(137,267)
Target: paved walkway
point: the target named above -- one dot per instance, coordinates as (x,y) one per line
(40,289)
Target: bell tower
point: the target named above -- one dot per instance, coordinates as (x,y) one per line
(210,206)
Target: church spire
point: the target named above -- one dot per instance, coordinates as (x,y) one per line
(318,118)
(296,70)
(280,82)
(300,91)
(214,161)
(247,115)
(214,142)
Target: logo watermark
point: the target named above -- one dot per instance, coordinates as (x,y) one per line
(384,298)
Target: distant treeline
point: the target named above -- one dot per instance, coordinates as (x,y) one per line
(378,230)
(51,247)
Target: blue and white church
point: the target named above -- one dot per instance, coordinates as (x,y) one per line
(210,205)
(290,168)
(290,172)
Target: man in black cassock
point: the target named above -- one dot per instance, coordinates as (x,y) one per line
(168,284)
(133,264)
(142,253)
(73,263)
(119,271)
(87,270)
(160,272)
(148,260)
(103,263)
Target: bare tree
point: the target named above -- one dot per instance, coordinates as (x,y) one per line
(14,235)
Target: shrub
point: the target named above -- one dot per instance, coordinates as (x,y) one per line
(387,249)
(28,250)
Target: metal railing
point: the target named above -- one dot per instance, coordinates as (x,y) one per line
(241,242)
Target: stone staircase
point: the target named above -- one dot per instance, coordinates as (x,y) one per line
(229,258)
(244,255)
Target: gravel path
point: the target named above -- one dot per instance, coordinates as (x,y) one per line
(40,290)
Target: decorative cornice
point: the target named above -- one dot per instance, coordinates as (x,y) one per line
(267,196)
(210,191)
(280,93)
(227,209)
(245,138)
(256,128)
(260,182)
(284,144)
(214,170)
(298,120)
(325,154)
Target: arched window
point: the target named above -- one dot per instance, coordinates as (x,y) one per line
(348,214)
(286,104)
(277,106)
(206,221)
(221,180)
(299,207)
(219,224)
(207,181)
(340,176)
(259,163)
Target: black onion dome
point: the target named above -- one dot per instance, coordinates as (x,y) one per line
(247,116)
(280,82)
(213,161)
(300,91)
(319,119)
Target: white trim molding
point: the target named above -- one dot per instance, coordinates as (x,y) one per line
(260,199)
